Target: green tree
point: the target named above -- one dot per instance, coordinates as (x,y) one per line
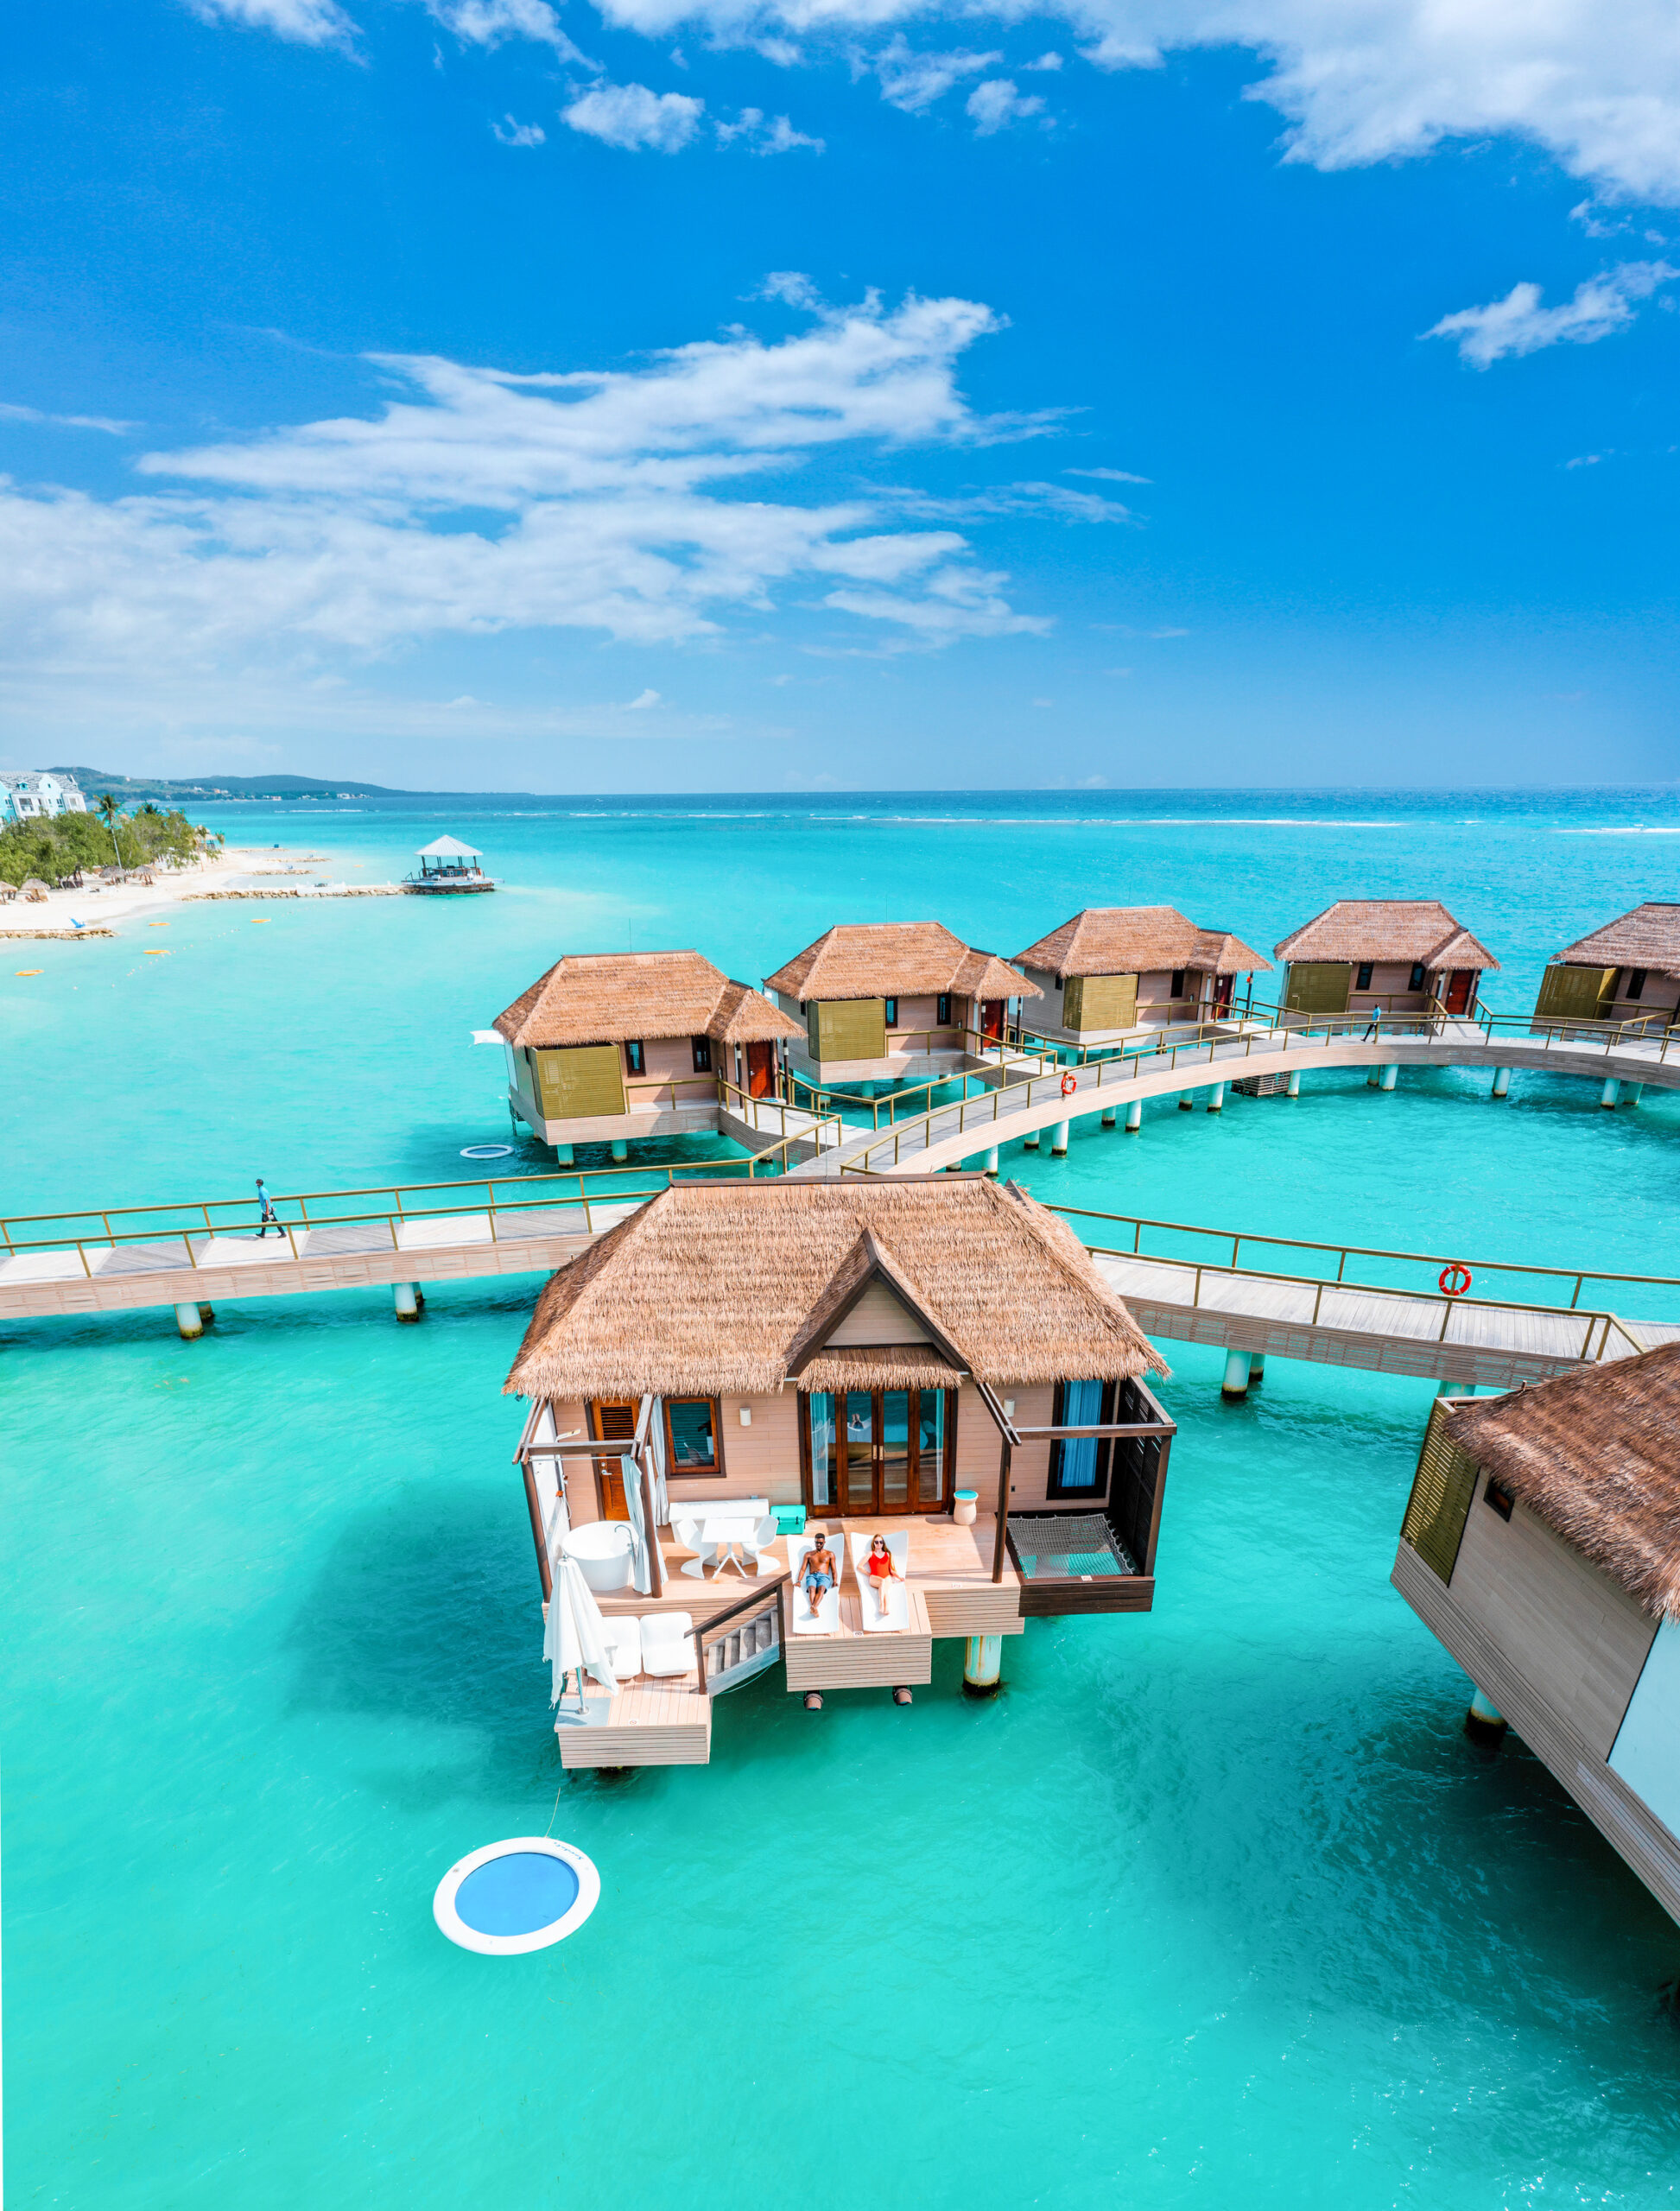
(110,813)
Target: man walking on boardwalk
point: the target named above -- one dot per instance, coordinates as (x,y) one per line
(270,1218)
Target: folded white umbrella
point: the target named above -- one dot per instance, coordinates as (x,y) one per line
(574,1640)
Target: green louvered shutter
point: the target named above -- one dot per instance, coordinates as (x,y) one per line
(1576,993)
(1442,1492)
(852,1029)
(1318,986)
(1110,1002)
(584,1080)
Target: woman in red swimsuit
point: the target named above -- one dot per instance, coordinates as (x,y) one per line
(882,1571)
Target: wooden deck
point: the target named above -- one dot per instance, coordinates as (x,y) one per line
(649,1723)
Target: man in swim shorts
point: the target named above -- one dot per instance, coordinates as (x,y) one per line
(819,1573)
(270,1218)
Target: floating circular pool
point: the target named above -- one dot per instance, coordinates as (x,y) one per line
(487,1151)
(518,1896)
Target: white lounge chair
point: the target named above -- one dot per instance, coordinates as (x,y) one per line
(824,1620)
(895,1619)
(668,1642)
(755,1548)
(623,1636)
(686,1532)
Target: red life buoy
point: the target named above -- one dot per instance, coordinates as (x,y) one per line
(1455,1278)
(1069,1085)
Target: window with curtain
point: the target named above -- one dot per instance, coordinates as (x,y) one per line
(691,1433)
(822,1448)
(1079,1464)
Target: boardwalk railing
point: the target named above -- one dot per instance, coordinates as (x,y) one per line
(1003,1053)
(579,1199)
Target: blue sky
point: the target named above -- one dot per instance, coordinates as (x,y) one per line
(486,395)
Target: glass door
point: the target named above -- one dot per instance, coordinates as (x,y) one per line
(857,1466)
(893,1453)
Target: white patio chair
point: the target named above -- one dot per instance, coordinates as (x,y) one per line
(668,1642)
(623,1636)
(686,1532)
(756,1546)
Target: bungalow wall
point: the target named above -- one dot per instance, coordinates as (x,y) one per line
(1109,1006)
(1568,992)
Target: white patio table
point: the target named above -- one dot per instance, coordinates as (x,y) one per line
(730,1531)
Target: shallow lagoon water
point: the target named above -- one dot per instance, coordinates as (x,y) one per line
(1214,1905)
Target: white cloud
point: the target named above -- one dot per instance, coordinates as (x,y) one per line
(630,116)
(640,704)
(1109,475)
(1051,61)
(305,22)
(997,102)
(776,135)
(913,81)
(271,570)
(489,22)
(10,412)
(518,134)
(1518,324)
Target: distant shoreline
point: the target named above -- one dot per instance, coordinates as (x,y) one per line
(201,881)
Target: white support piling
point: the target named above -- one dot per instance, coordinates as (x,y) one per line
(1108,1114)
(1501,1083)
(1373,1077)
(1293,1088)
(1610,1096)
(1030,1142)
(1390,1075)
(1484,1718)
(620,1150)
(1134,1116)
(1632,1094)
(990,1162)
(1187,1101)
(1216,1099)
(1256,1367)
(982,1665)
(1448,1389)
(562,1155)
(1059,1141)
(189,1321)
(1238,1367)
(409,1299)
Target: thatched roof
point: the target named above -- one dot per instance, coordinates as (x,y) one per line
(1596,1454)
(1393,930)
(896,959)
(733,1287)
(604,997)
(1138,941)
(1649,937)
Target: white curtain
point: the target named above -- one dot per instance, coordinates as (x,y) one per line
(662,1507)
(640,1563)
(1081,1407)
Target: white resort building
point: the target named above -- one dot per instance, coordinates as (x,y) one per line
(35,794)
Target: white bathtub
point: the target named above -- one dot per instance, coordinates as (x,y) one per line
(602,1548)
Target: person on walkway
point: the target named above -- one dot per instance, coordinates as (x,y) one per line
(270,1218)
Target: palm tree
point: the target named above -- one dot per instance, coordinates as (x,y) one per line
(110,813)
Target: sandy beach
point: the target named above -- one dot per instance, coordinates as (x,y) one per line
(239,872)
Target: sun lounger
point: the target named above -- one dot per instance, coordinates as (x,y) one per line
(622,1632)
(667,1643)
(896,1618)
(826,1619)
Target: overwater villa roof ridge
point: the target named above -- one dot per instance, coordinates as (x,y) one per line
(870,960)
(1592,1454)
(1647,936)
(611,997)
(1415,930)
(1001,1287)
(1139,939)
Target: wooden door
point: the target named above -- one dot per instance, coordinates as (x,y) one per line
(1222,992)
(894,1452)
(991,1018)
(612,1420)
(1460,987)
(761,1070)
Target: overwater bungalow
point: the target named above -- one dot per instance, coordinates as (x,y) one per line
(1628,971)
(1542,1545)
(894,1001)
(1382,955)
(738,1367)
(1113,971)
(610,1046)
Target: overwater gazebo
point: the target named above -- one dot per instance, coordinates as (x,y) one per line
(449,865)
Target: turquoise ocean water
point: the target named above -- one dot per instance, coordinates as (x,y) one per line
(1216,1906)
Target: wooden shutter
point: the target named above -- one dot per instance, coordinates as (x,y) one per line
(1318,986)
(1576,993)
(1073,1003)
(583,1081)
(1110,1002)
(852,1029)
(1442,1492)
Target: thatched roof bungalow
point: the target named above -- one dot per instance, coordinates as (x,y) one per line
(899,1000)
(1396,955)
(1112,970)
(607,1046)
(1628,971)
(1542,1544)
(864,1349)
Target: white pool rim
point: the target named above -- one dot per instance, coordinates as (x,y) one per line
(451,1924)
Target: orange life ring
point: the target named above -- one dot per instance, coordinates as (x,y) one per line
(1069,1085)
(1455,1278)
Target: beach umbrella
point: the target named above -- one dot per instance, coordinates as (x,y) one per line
(574,1640)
